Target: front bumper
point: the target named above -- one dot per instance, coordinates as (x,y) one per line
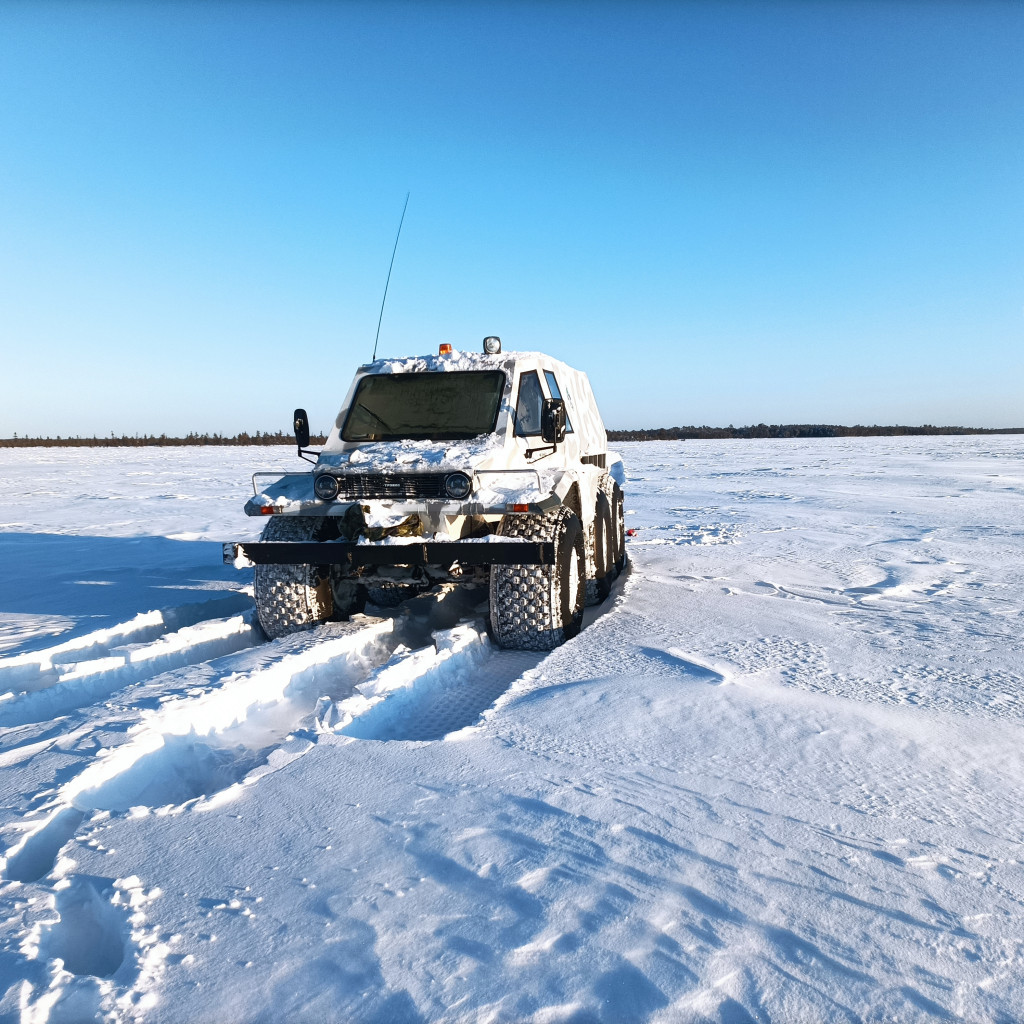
(440,553)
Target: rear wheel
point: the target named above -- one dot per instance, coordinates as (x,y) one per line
(604,550)
(538,607)
(618,529)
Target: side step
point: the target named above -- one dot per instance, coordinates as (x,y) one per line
(442,553)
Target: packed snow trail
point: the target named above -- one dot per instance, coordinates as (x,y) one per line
(63,687)
(204,745)
(200,743)
(195,744)
(778,777)
(206,732)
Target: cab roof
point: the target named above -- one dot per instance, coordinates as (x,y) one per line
(461,361)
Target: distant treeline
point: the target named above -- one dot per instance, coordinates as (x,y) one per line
(794,430)
(149,440)
(653,434)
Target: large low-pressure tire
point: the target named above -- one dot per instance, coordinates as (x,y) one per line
(538,607)
(290,598)
(618,528)
(604,551)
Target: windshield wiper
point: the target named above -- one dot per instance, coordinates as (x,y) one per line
(384,423)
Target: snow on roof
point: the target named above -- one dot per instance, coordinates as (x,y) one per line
(458,361)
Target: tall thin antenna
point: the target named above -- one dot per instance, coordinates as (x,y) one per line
(386,283)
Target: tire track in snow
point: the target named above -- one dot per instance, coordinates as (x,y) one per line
(199,728)
(197,746)
(68,685)
(101,956)
(431,692)
(39,669)
(90,949)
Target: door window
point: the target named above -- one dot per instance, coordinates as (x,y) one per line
(528,408)
(555,393)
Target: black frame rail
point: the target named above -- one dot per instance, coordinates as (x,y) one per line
(429,553)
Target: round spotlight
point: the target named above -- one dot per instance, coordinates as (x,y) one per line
(492,346)
(458,485)
(326,487)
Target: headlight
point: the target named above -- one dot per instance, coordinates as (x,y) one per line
(458,485)
(326,487)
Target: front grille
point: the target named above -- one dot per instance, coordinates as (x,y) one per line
(392,486)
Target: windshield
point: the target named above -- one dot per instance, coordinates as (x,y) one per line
(448,406)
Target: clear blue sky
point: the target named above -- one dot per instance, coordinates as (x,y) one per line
(724,212)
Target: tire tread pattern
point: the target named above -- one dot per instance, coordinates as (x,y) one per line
(616,499)
(290,598)
(525,600)
(604,536)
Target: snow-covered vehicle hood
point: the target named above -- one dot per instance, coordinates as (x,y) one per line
(486,459)
(498,476)
(482,452)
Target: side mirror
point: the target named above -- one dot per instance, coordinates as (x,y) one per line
(301,428)
(552,421)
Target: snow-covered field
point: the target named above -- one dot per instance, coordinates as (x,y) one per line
(778,777)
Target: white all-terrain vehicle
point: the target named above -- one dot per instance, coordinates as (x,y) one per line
(488,469)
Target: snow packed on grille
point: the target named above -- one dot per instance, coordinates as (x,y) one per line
(778,776)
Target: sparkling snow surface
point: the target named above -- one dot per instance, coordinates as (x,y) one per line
(779,777)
